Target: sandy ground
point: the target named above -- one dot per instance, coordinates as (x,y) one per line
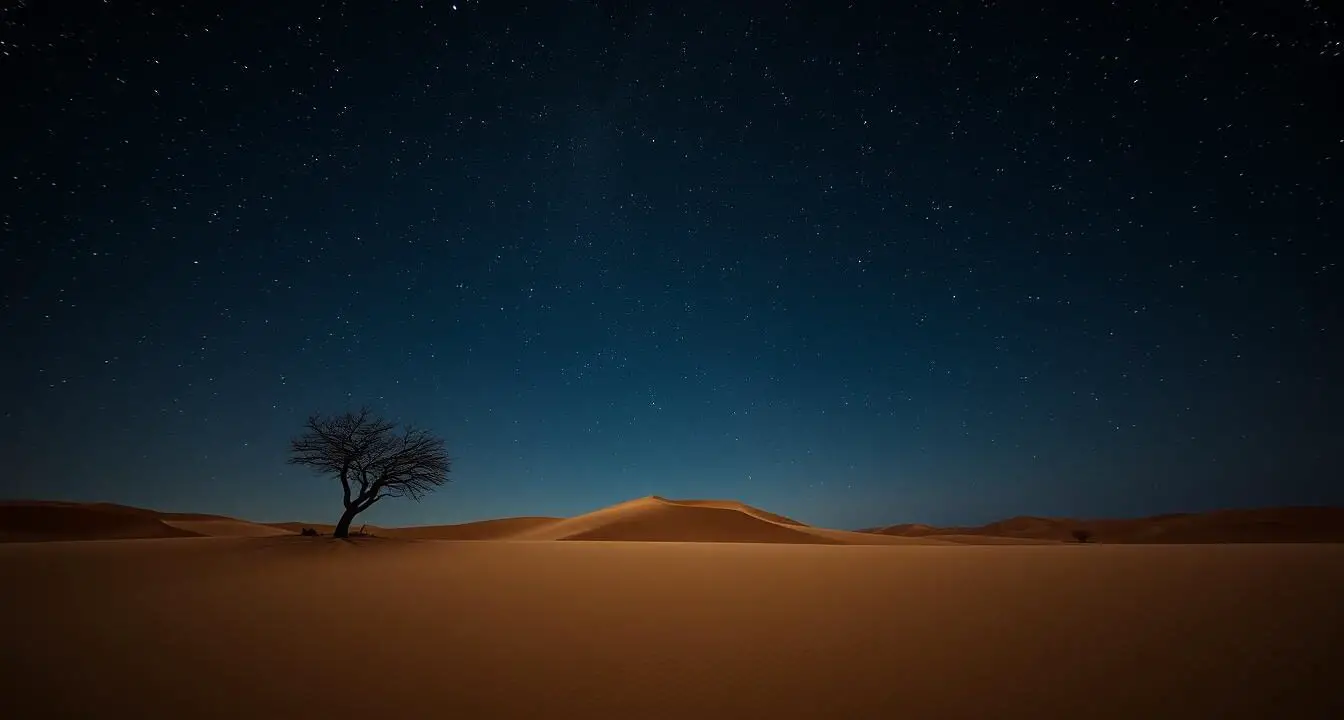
(226,528)
(291,627)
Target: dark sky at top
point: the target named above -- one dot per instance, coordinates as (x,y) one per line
(856,263)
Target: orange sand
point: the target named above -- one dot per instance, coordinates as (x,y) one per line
(292,627)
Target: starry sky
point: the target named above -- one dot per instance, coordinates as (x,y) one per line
(856,263)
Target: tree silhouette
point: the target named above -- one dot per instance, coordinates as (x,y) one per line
(1082,536)
(372,460)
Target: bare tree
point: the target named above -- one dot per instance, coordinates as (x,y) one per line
(372,460)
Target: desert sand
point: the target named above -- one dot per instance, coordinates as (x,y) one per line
(293,627)
(704,609)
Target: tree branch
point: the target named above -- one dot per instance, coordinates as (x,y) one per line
(345,484)
(383,462)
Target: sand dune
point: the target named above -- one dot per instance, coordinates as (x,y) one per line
(227,528)
(1283,524)
(659,519)
(45,520)
(655,519)
(270,627)
(28,521)
(850,537)
(741,507)
(904,530)
(500,529)
(649,519)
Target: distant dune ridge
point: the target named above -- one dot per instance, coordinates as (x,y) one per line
(659,519)
(37,520)
(47,520)
(1281,524)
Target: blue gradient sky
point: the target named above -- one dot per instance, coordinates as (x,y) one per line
(856,266)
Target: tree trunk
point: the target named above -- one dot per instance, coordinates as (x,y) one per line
(343,527)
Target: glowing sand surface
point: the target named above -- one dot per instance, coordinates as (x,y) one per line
(291,627)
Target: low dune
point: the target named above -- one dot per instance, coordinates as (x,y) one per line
(45,520)
(1256,525)
(500,529)
(656,519)
(227,528)
(903,530)
(280,627)
(648,519)
(31,521)
(849,537)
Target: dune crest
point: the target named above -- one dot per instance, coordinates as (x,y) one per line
(657,519)
(735,505)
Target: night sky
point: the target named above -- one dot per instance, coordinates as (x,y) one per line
(857,263)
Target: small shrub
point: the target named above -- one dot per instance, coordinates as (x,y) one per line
(308,532)
(1082,536)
